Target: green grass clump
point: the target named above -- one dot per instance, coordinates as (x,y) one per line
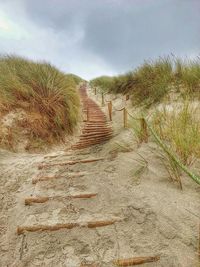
(102,83)
(76,78)
(173,157)
(187,73)
(153,80)
(148,84)
(180,127)
(48,97)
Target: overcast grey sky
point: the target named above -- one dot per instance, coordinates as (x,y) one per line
(91,38)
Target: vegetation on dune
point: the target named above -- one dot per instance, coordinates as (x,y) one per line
(76,78)
(187,74)
(48,97)
(103,83)
(153,80)
(173,157)
(180,128)
(176,126)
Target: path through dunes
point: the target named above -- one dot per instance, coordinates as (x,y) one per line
(66,215)
(82,208)
(96,129)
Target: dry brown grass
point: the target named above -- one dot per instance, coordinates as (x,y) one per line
(48,97)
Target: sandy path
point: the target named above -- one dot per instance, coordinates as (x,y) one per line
(156,218)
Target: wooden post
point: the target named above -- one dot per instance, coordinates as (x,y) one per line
(127,97)
(144,131)
(125,117)
(110,110)
(102,99)
(199,244)
(88,114)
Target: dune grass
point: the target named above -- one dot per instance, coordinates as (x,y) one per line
(154,79)
(180,127)
(48,97)
(76,78)
(172,156)
(102,83)
(187,74)
(148,83)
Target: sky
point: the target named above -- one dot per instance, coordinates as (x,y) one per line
(91,38)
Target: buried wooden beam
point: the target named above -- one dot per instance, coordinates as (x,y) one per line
(135,261)
(32,200)
(58,155)
(47,178)
(199,244)
(59,226)
(89,265)
(72,162)
(22,229)
(91,142)
(96,224)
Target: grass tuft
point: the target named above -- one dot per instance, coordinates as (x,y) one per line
(180,127)
(48,97)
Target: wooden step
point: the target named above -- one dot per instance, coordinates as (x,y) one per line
(88,144)
(42,199)
(94,135)
(96,126)
(99,123)
(95,131)
(59,226)
(94,139)
(67,176)
(72,162)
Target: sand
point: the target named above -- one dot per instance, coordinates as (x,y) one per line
(154,217)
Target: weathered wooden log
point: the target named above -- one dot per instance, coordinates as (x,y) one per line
(135,261)
(96,130)
(95,135)
(92,141)
(100,223)
(58,155)
(89,265)
(35,228)
(55,227)
(199,244)
(32,200)
(86,145)
(72,162)
(47,178)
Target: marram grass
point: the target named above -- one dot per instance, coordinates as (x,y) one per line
(179,125)
(48,97)
(154,80)
(172,155)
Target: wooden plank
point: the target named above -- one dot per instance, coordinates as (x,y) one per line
(72,162)
(59,226)
(48,178)
(135,261)
(40,199)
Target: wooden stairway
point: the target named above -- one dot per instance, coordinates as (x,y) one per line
(96,128)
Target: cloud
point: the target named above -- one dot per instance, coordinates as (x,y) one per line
(92,38)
